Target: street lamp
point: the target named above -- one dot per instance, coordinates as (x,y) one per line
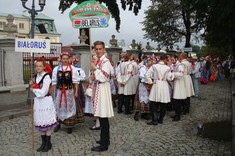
(33,13)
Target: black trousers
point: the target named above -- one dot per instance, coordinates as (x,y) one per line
(127,102)
(104,133)
(154,107)
(120,101)
(177,105)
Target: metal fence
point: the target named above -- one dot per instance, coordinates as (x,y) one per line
(50,58)
(2,68)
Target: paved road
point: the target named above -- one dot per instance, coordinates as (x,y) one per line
(129,137)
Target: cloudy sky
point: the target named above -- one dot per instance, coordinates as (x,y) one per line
(130,24)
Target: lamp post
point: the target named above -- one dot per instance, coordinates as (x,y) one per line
(33,13)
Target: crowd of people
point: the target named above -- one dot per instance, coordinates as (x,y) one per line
(146,88)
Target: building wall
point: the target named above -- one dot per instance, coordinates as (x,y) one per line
(24,28)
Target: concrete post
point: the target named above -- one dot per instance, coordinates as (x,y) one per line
(13,66)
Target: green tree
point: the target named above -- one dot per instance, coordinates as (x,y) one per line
(214,52)
(167,22)
(112,6)
(218,19)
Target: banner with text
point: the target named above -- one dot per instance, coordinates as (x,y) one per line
(32,45)
(89,14)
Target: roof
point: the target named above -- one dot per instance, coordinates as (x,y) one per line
(15,15)
(42,16)
(39,16)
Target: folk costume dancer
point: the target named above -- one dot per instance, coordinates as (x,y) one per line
(196,74)
(65,80)
(101,99)
(113,85)
(142,103)
(129,82)
(44,109)
(179,93)
(120,71)
(89,105)
(135,78)
(159,94)
(188,82)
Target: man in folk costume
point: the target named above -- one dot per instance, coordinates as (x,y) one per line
(119,74)
(179,93)
(159,94)
(188,82)
(135,79)
(196,74)
(65,80)
(129,83)
(101,98)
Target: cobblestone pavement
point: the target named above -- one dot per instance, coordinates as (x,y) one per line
(129,137)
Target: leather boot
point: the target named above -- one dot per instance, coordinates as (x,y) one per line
(136,117)
(48,144)
(176,118)
(69,130)
(43,143)
(160,120)
(57,128)
(154,119)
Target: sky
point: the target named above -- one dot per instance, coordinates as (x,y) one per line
(130,24)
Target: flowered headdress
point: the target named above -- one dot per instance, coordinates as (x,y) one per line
(75,60)
(65,53)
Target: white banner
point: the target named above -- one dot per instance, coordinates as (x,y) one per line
(32,45)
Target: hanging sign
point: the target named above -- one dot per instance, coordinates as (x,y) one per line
(32,45)
(89,14)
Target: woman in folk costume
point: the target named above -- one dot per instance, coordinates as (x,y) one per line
(82,76)
(101,98)
(89,108)
(113,85)
(44,109)
(142,103)
(188,82)
(65,80)
(159,95)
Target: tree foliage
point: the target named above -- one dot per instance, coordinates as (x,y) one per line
(112,6)
(167,22)
(218,19)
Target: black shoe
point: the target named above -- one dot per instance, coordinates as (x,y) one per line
(120,111)
(177,118)
(99,149)
(128,112)
(160,121)
(183,113)
(43,143)
(152,123)
(99,142)
(57,128)
(69,130)
(48,144)
(95,128)
(136,117)
(173,116)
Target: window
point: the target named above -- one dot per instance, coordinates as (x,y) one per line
(2,24)
(46,25)
(21,25)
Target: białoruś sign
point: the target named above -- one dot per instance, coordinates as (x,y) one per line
(89,14)
(32,45)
